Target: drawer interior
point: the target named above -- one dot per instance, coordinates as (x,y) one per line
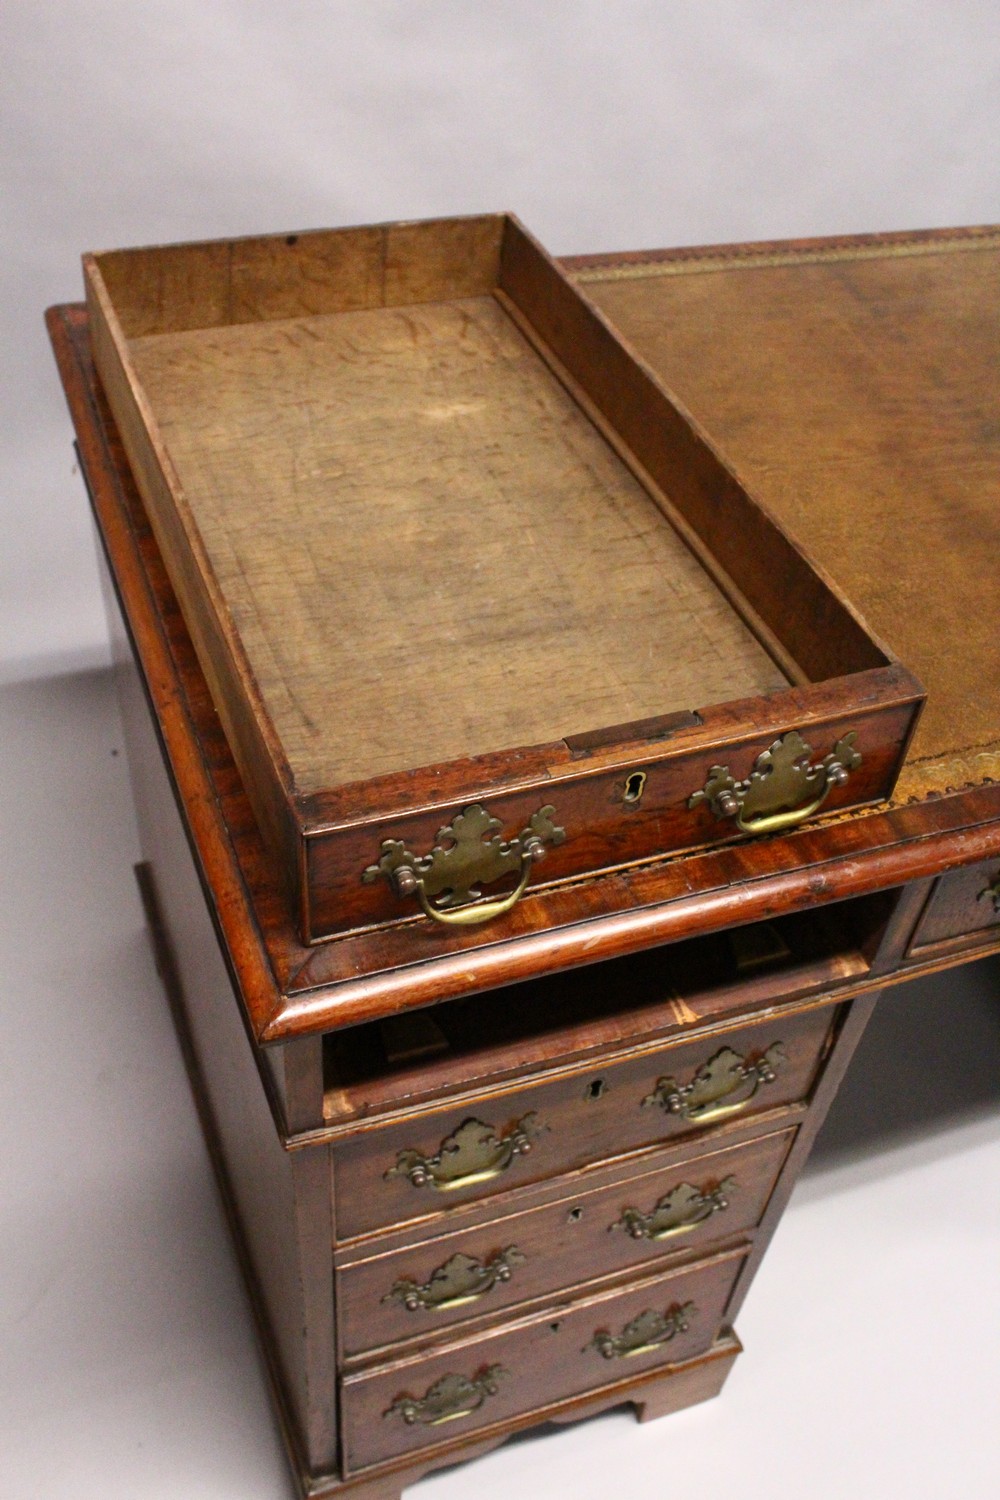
(417,472)
(484,1037)
(435,492)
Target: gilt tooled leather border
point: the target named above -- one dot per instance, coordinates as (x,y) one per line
(686,262)
(955,773)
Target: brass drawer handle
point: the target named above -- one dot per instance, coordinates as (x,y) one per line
(783,788)
(705,1097)
(460,1280)
(447,1399)
(679,1212)
(644,1334)
(474,1153)
(992,891)
(469,853)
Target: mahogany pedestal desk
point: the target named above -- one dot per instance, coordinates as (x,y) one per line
(531,1177)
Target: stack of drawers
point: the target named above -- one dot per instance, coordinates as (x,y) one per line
(558,1238)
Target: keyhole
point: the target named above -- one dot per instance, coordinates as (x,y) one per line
(596,1089)
(575,1215)
(633,787)
(554,1327)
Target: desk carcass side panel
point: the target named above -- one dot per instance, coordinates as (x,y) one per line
(277,1202)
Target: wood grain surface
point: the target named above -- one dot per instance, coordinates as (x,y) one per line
(571,1127)
(562,1244)
(661,995)
(965,903)
(545,1359)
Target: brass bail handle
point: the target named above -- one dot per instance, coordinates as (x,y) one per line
(406,882)
(783,789)
(469,852)
(775,822)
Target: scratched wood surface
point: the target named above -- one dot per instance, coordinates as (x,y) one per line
(408,515)
(855,389)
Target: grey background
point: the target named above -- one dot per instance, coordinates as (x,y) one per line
(127,1366)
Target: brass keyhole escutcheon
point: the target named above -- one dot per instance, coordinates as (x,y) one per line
(634,787)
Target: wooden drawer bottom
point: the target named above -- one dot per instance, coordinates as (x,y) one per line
(568,1350)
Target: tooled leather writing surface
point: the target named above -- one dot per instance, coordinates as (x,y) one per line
(854,387)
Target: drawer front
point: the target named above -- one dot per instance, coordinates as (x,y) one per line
(672,798)
(567,1351)
(421,1166)
(417,1291)
(965,903)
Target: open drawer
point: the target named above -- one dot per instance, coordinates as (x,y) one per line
(468,586)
